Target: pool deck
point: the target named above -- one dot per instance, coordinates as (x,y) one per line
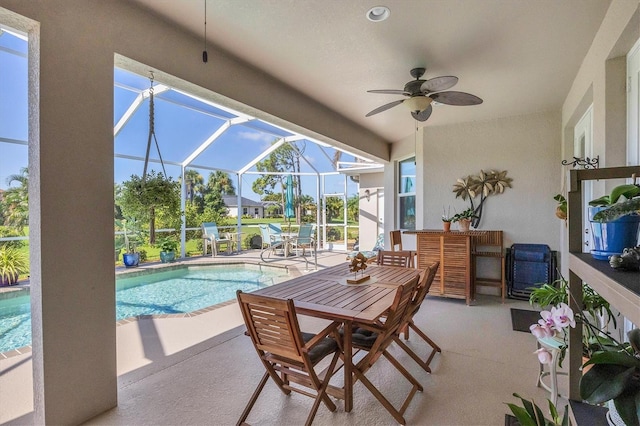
(148,345)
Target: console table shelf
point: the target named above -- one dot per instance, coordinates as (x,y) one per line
(457,253)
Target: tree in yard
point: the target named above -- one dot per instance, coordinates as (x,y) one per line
(195,185)
(284,159)
(334,206)
(221,183)
(353,207)
(151,198)
(15,201)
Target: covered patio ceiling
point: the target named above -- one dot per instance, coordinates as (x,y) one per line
(193,132)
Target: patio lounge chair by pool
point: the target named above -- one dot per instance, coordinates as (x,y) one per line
(211,236)
(371,255)
(271,234)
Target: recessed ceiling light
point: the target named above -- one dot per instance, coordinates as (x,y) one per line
(378,13)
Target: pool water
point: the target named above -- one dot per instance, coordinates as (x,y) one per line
(171,292)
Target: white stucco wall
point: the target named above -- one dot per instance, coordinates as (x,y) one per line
(369,214)
(528,147)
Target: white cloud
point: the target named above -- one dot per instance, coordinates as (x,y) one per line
(256,136)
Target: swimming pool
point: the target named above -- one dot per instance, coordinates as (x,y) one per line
(176,291)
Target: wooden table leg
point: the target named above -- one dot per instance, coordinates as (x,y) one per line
(348,366)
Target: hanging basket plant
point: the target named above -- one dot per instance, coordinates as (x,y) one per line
(483,185)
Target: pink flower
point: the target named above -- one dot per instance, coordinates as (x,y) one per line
(562,317)
(547,319)
(541,330)
(544,356)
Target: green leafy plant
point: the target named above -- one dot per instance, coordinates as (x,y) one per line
(13,262)
(561,208)
(623,200)
(468,214)
(615,376)
(168,244)
(531,415)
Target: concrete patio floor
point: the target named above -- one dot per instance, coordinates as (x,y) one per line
(202,369)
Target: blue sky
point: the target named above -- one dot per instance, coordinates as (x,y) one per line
(179,130)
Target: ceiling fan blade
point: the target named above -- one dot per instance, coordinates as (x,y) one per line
(456,98)
(438,83)
(384,107)
(390,92)
(422,115)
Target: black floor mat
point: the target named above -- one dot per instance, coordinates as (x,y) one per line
(521,319)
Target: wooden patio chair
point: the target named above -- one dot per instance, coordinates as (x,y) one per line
(395,258)
(375,339)
(288,355)
(426,279)
(395,238)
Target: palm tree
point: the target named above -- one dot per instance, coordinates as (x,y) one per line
(221,182)
(194,182)
(15,201)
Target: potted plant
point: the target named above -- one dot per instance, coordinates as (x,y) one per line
(615,221)
(613,368)
(594,307)
(131,232)
(561,208)
(13,262)
(168,247)
(464,219)
(446,219)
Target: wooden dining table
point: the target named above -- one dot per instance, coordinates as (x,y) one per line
(326,294)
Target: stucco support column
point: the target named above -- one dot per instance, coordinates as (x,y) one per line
(71,223)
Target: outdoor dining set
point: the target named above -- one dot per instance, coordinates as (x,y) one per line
(362,320)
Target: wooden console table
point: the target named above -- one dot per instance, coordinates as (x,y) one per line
(457,252)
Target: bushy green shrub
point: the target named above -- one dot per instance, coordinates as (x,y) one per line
(334,234)
(8,232)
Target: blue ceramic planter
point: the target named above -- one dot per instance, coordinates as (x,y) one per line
(130,259)
(609,238)
(167,256)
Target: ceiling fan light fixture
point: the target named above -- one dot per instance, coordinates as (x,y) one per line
(378,13)
(417,103)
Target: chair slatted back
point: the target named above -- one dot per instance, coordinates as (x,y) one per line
(395,258)
(396,239)
(393,321)
(422,289)
(273,326)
